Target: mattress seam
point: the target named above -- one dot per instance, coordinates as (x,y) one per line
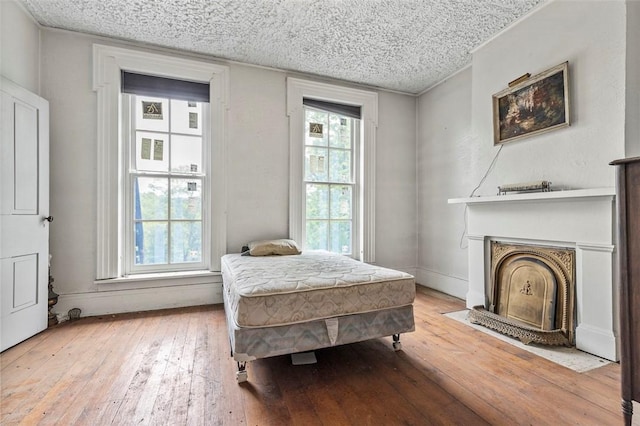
(318,318)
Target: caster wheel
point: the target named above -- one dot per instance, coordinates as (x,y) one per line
(397,346)
(241,376)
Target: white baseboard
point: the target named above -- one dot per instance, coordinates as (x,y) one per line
(148,299)
(597,341)
(137,300)
(447,284)
(408,269)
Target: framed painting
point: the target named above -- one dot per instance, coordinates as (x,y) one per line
(535,105)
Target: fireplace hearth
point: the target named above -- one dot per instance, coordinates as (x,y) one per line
(532,296)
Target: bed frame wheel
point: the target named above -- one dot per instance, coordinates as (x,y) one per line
(241,374)
(397,344)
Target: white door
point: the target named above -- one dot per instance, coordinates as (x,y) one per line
(24,211)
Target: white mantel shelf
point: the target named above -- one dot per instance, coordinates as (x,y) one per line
(533,196)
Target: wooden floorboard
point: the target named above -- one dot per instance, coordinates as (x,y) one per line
(172,367)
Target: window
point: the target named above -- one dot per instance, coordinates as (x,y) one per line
(161,170)
(331,143)
(165,183)
(332,167)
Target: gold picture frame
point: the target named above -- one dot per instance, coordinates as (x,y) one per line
(533,106)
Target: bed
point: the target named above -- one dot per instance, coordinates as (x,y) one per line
(276,305)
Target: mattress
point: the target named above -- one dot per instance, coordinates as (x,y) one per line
(282,290)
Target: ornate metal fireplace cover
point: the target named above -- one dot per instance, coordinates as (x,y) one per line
(479,315)
(543,278)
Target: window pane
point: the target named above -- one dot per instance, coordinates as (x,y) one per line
(151,198)
(152,113)
(186,242)
(186,199)
(186,117)
(340,131)
(186,154)
(315,164)
(341,236)
(317,201)
(330,176)
(317,234)
(151,153)
(316,128)
(151,245)
(340,202)
(339,165)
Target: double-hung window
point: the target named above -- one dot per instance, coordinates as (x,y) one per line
(331,170)
(332,134)
(166,180)
(161,172)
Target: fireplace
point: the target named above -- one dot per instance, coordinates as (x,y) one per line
(578,220)
(532,293)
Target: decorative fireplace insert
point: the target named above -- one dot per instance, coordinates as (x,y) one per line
(532,294)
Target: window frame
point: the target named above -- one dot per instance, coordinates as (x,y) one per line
(354,149)
(108,62)
(297,90)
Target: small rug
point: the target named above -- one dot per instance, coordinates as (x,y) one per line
(571,358)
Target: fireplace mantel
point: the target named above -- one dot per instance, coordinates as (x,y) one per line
(536,196)
(581,219)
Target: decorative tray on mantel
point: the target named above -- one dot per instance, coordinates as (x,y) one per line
(535,186)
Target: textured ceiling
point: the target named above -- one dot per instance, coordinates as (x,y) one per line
(403,45)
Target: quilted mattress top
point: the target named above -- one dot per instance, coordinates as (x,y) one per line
(278,290)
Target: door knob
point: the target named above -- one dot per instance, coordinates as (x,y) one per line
(49,219)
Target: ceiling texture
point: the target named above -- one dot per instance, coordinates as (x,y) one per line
(401,45)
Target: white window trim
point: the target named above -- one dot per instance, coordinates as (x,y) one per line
(298,89)
(108,62)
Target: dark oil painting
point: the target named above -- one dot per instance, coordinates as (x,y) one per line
(536,107)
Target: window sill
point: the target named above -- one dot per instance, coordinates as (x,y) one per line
(165,279)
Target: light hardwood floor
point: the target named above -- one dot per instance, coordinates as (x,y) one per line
(172,367)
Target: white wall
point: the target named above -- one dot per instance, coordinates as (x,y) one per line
(451,124)
(257,164)
(67,84)
(258,157)
(592,37)
(396,243)
(446,148)
(632,147)
(19,46)
(259,180)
